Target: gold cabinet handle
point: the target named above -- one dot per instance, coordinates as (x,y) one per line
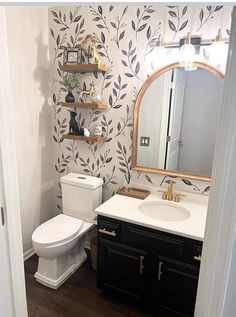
(160,270)
(198,258)
(109,233)
(141,266)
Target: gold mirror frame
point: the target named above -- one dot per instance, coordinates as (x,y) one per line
(142,91)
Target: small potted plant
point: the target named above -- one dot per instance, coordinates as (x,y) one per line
(70,81)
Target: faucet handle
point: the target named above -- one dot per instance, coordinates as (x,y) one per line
(177,197)
(164,196)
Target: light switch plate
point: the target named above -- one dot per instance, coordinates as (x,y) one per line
(144,141)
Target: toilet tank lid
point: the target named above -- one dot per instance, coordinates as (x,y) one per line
(81,180)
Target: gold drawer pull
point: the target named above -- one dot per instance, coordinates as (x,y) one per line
(109,233)
(198,258)
(141,266)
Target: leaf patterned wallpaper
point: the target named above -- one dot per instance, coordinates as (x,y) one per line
(124,34)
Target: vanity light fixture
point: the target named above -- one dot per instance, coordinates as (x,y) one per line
(218,50)
(160,53)
(187,54)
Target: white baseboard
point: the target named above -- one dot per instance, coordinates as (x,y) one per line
(28,254)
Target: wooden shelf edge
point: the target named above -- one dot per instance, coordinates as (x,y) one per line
(91,138)
(91,105)
(83,68)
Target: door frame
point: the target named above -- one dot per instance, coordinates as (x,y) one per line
(10,180)
(6,295)
(221,216)
(164,119)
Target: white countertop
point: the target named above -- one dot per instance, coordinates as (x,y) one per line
(126,209)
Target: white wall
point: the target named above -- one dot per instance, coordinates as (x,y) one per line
(27,29)
(202,101)
(150,117)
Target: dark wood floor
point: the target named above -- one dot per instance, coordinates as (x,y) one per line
(77,297)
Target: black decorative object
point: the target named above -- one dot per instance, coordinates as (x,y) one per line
(81,131)
(73,124)
(70,97)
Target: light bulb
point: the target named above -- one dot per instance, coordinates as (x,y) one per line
(187,54)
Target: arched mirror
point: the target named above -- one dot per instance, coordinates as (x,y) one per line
(175,121)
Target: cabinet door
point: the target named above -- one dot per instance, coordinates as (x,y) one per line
(176,287)
(122,269)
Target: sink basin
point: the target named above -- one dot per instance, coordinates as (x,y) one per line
(164,211)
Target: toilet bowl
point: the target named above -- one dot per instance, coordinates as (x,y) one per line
(59,242)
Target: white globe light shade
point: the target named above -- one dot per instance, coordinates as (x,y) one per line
(158,57)
(218,53)
(187,56)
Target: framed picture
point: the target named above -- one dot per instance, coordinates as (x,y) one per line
(72,55)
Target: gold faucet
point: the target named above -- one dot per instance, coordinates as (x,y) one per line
(170,191)
(168,195)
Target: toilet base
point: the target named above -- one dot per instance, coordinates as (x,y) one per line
(54,272)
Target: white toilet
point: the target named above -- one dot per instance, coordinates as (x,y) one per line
(59,242)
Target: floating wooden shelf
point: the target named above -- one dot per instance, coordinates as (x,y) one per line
(91,138)
(92,105)
(84,68)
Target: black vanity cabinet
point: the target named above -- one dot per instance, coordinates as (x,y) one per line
(150,266)
(176,288)
(122,269)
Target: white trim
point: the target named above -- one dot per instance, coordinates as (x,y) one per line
(221,219)
(164,119)
(7,140)
(54,284)
(28,254)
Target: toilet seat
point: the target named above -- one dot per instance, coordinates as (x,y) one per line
(57,230)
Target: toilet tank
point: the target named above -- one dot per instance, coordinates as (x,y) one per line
(81,195)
